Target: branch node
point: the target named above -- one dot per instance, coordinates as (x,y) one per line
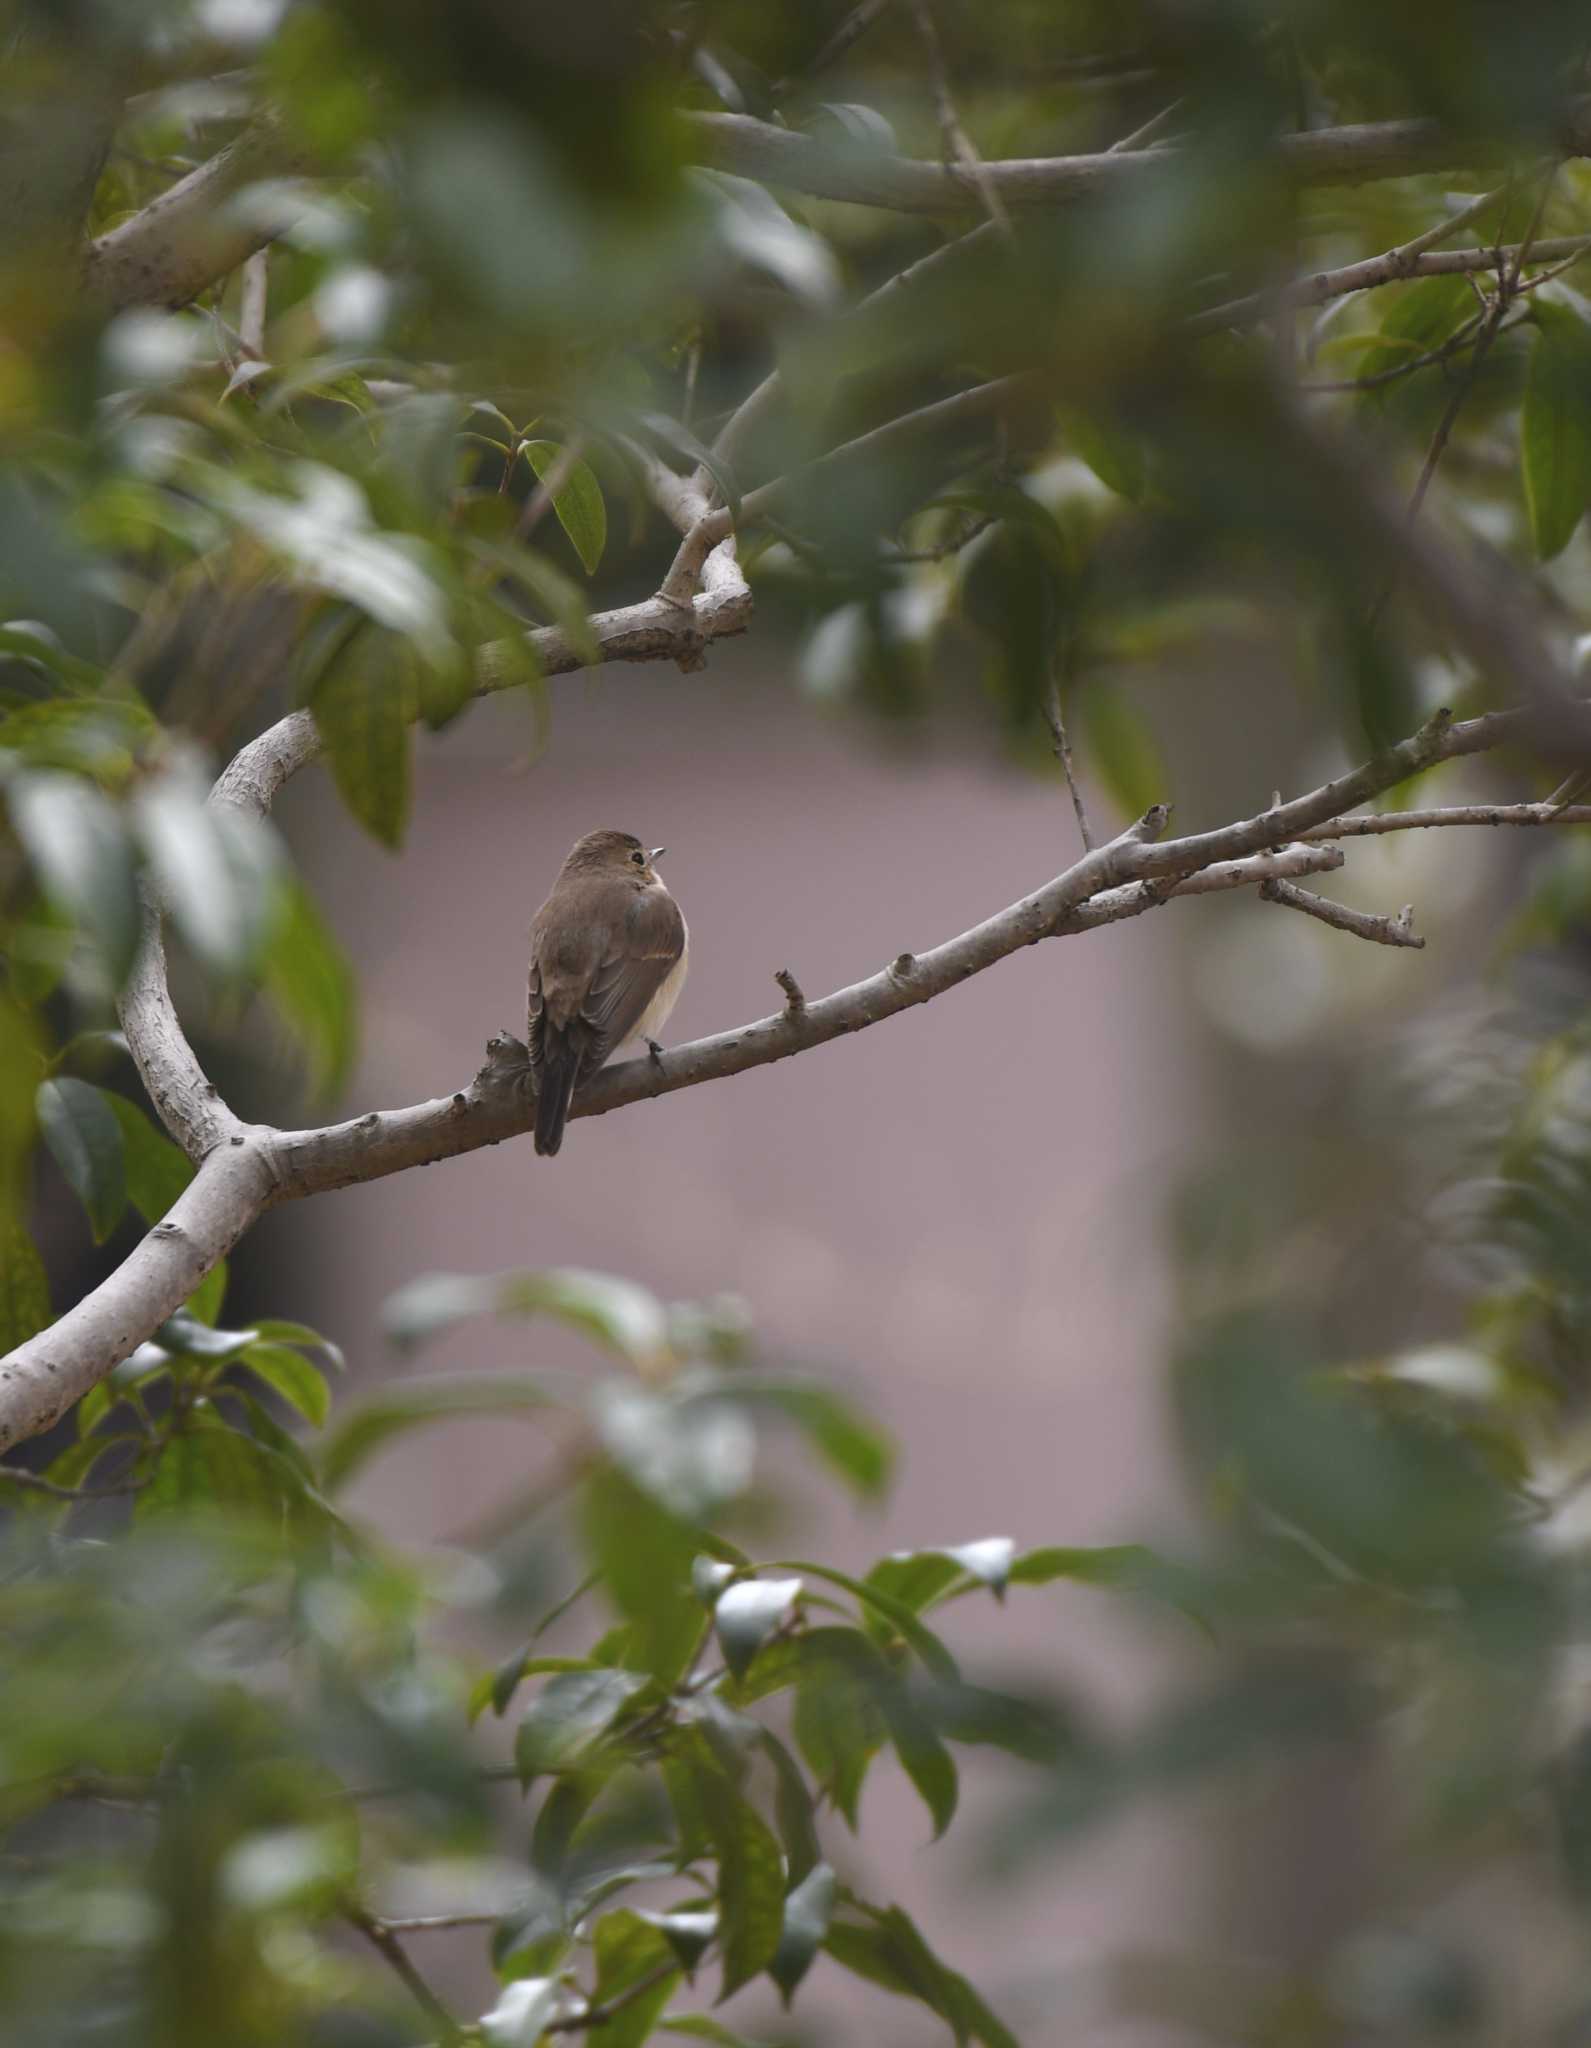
(794,997)
(1150,826)
(903,966)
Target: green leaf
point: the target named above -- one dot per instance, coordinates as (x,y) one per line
(1119,748)
(581,512)
(280,1331)
(702,2026)
(629,1320)
(689,1935)
(215,868)
(644,1555)
(311,985)
(628,1949)
(569,1716)
(1555,427)
(86,1141)
(187,1337)
(549,590)
(24,1290)
(807,1912)
(1107,1564)
(363,704)
(793,1809)
(156,1171)
(747,1613)
(75,841)
(924,1758)
(290,1374)
(1116,458)
(750,1881)
(888,1950)
(496,1688)
(935,1657)
(837,1721)
(1422,315)
(858,1452)
(205,1302)
(412,1403)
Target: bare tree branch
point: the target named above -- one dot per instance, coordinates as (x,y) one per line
(386,1943)
(957,143)
(1062,748)
(1382,931)
(1320,156)
(1392,267)
(192,234)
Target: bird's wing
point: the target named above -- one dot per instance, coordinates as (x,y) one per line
(650,942)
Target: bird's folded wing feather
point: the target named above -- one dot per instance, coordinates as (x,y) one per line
(652,940)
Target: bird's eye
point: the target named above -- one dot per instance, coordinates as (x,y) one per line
(639,858)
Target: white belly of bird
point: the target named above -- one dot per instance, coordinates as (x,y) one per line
(657,1012)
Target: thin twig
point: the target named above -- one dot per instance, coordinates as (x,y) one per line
(1368,272)
(37,1483)
(851,29)
(794,997)
(955,141)
(940,551)
(1377,822)
(432,1923)
(1147,133)
(254,301)
(610,2008)
(1453,346)
(1383,931)
(380,1936)
(1062,748)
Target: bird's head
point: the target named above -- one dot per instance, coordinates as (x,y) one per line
(615,853)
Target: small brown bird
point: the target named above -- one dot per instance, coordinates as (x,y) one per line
(608,953)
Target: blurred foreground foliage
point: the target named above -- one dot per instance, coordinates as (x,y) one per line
(252,1757)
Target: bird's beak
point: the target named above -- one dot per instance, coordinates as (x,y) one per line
(657,853)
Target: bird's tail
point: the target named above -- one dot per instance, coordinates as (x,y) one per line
(560,1070)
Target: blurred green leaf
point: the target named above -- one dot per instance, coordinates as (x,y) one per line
(1555,427)
(794,1810)
(887,1949)
(750,1882)
(1421,315)
(364,703)
(74,838)
(24,1289)
(85,1140)
(1115,457)
(644,1555)
(290,1374)
(410,1404)
(1117,745)
(935,1657)
(309,979)
(628,1951)
(748,1612)
(860,1453)
(808,1909)
(571,1712)
(156,1170)
(578,502)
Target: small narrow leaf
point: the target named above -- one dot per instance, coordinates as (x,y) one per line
(630,1951)
(578,503)
(86,1142)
